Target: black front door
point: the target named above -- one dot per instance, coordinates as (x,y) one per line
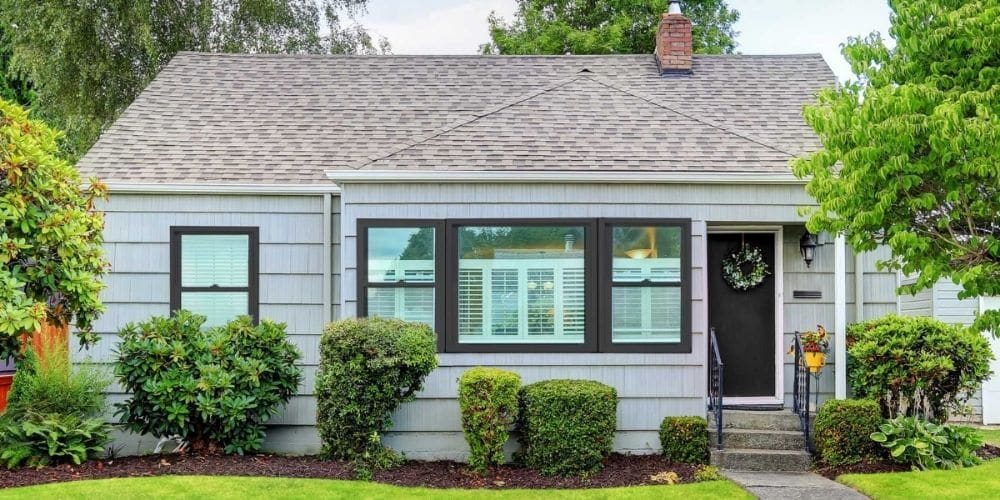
(743,320)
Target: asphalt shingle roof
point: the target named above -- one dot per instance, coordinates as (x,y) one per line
(214,118)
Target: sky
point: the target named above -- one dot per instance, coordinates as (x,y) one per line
(765,26)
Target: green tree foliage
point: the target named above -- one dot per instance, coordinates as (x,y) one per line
(89,60)
(12,87)
(911,150)
(51,259)
(606,27)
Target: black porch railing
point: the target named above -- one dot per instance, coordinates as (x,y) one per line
(715,384)
(800,392)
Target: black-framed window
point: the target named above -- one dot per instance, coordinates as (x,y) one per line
(521,285)
(400,271)
(214,271)
(646,285)
(532,285)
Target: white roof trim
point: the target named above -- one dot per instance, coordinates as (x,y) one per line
(562,177)
(270,189)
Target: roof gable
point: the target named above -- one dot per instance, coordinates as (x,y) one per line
(583,123)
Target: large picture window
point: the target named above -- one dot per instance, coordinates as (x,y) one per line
(399,271)
(563,285)
(214,272)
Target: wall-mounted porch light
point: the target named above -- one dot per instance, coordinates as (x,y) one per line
(807,246)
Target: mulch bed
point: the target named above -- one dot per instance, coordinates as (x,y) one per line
(619,470)
(985,452)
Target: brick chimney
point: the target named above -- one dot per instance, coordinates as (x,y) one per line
(673,42)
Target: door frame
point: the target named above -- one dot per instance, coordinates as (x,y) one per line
(779,307)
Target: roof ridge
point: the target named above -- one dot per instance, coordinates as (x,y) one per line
(704,121)
(420,139)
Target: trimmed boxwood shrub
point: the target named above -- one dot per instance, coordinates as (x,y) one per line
(216,388)
(841,431)
(368,367)
(685,439)
(488,399)
(567,426)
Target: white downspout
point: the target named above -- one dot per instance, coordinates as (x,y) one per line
(327,258)
(859,287)
(840,316)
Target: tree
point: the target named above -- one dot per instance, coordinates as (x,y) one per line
(89,60)
(606,27)
(12,86)
(51,259)
(911,149)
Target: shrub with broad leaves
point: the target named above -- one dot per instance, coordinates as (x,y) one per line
(925,445)
(216,387)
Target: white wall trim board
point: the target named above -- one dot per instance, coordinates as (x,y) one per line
(257,189)
(991,387)
(575,177)
(327,257)
(840,316)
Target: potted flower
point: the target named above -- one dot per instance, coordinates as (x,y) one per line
(814,345)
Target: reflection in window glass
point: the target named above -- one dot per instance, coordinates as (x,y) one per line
(401,273)
(646,281)
(521,284)
(218,307)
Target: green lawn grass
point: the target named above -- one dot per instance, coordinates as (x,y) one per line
(982,481)
(172,487)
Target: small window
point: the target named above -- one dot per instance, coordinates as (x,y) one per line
(399,271)
(646,296)
(214,272)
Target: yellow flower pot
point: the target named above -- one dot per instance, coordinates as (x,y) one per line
(815,361)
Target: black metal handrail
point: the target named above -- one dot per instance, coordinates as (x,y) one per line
(715,384)
(800,392)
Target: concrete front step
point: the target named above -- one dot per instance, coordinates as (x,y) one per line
(761,460)
(783,420)
(758,439)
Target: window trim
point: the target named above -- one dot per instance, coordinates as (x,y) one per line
(606,288)
(253,265)
(589,343)
(440,279)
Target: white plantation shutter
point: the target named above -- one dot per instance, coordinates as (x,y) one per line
(541,302)
(470,301)
(573,303)
(215,259)
(504,318)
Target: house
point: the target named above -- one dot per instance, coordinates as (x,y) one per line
(563,217)
(942,302)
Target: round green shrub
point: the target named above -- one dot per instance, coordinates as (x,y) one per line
(488,400)
(916,366)
(368,367)
(215,388)
(842,430)
(685,439)
(567,426)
